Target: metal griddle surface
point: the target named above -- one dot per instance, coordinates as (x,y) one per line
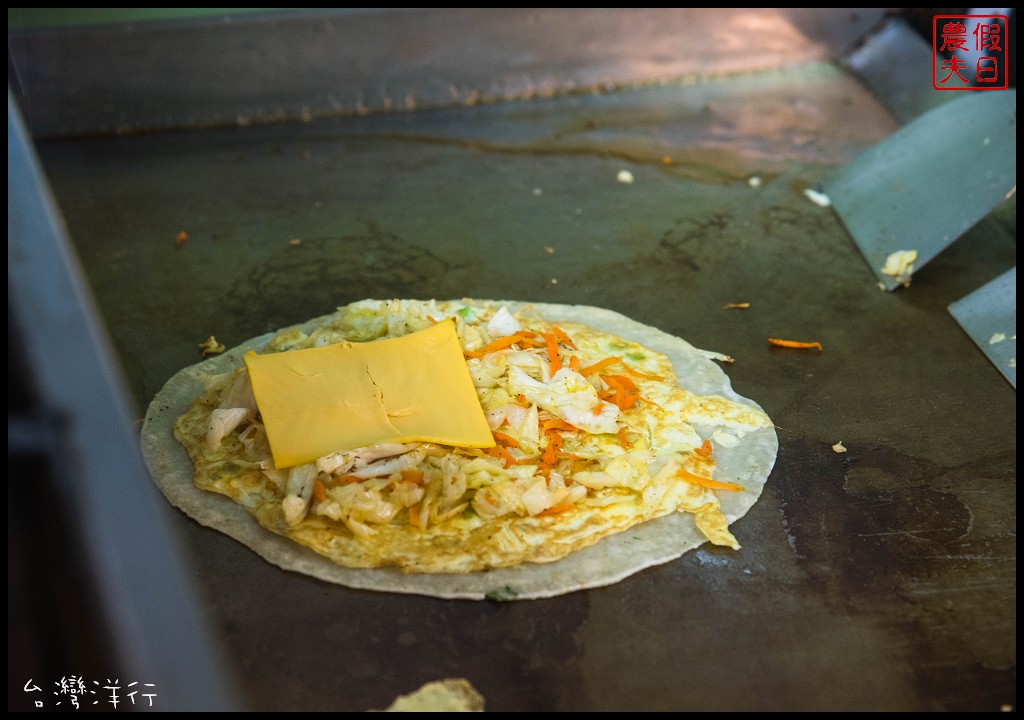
(879,579)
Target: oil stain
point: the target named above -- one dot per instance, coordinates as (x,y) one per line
(780,221)
(891,536)
(713,166)
(867,530)
(718,238)
(680,252)
(682,242)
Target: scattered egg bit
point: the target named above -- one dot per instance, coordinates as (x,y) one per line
(818,198)
(452,695)
(996,338)
(900,264)
(711,355)
(211,346)
(839,447)
(625,177)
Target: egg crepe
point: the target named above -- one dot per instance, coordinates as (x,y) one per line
(526,519)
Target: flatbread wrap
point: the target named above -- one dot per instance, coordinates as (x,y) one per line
(615,447)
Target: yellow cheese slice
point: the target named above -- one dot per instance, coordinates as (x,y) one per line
(349,395)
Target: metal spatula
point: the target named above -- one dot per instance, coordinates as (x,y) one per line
(989,316)
(929,182)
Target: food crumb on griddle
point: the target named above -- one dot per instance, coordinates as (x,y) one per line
(451,695)
(211,347)
(818,198)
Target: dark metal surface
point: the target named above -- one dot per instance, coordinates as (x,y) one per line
(309,64)
(879,579)
(989,316)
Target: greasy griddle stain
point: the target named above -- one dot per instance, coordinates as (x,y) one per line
(878,524)
(684,240)
(867,525)
(713,166)
(813,222)
(681,251)
(721,240)
(325,272)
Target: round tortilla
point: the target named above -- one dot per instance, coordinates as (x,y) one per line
(608,561)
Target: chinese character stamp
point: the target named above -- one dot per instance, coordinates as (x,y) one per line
(969,52)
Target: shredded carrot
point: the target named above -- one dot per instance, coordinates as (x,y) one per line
(705,449)
(500,344)
(554,452)
(619,394)
(343,480)
(414,515)
(574,363)
(558,424)
(591,369)
(553,449)
(319,491)
(521,399)
(413,476)
(651,402)
(552,343)
(562,337)
(531,343)
(623,439)
(577,465)
(795,343)
(502,454)
(555,509)
(621,380)
(506,440)
(644,376)
(708,482)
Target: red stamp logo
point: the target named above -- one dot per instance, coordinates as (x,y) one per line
(969,52)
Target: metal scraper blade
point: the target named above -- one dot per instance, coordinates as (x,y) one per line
(929,182)
(989,316)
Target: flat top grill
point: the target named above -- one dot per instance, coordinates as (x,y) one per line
(879,579)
